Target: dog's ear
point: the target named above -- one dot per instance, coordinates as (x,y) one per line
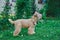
(35,15)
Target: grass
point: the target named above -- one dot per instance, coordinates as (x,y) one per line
(45,30)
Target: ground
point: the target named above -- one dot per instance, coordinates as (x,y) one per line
(45,30)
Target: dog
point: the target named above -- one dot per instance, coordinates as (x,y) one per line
(26,23)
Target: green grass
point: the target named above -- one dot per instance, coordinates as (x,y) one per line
(45,30)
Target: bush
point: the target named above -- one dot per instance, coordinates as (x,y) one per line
(43,11)
(53,8)
(4,23)
(25,8)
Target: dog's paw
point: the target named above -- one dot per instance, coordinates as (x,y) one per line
(15,34)
(31,33)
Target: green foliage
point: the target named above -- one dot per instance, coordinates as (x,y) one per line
(53,8)
(4,23)
(45,30)
(43,11)
(25,8)
(6,8)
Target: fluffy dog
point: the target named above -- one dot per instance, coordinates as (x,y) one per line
(26,23)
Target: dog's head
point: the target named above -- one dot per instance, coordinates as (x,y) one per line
(38,15)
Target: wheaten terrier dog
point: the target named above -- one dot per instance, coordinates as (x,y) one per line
(29,23)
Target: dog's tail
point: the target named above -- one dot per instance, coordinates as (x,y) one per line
(10,20)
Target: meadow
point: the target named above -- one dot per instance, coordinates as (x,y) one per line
(45,30)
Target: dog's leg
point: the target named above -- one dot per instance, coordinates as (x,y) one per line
(31,30)
(17,30)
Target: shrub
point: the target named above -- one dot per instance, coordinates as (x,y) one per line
(25,8)
(53,8)
(43,11)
